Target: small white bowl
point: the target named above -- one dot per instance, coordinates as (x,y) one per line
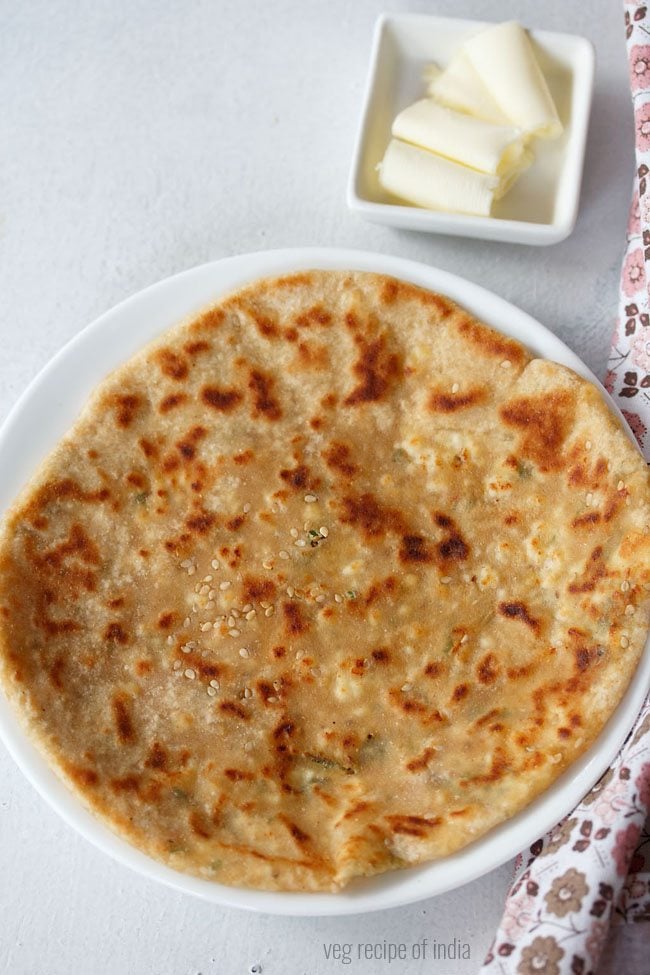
(542,206)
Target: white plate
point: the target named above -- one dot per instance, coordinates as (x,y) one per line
(46,411)
(542,206)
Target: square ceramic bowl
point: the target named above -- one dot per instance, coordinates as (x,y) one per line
(542,206)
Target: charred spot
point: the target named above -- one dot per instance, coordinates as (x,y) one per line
(584,657)
(55,672)
(511,519)
(385,587)
(594,570)
(564,733)
(201,522)
(85,777)
(329,401)
(421,763)
(544,423)
(298,834)
(238,775)
(256,589)
(519,611)
(364,512)
(316,423)
(207,671)
(126,407)
(116,603)
(312,355)
(284,729)
(414,548)
(245,457)
(489,341)
(171,364)
(291,334)
(376,370)
(224,400)
(126,783)
(293,619)
(316,315)
(586,521)
(166,620)
(157,757)
(231,707)
(122,718)
(197,347)
(413,825)
(148,448)
(498,768)
(279,652)
(487,670)
(137,480)
(441,402)
(434,669)
(298,477)
(264,402)
(209,321)
(337,456)
(454,548)
(381,655)
(234,524)
(265,689)
(460,692)
(115,633)
(171,402)
(186,449)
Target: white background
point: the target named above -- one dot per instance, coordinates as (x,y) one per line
(141,138)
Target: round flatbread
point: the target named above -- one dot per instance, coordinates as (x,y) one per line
(328,581)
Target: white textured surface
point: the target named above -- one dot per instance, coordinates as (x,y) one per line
(142,138)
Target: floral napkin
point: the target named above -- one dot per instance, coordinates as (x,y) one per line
(580,904)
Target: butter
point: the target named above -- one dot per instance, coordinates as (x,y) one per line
(431,181)
(460,87)
(494,149)
(503,58)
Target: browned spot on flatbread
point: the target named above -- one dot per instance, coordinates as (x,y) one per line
(265,403)
(166,620)
(121,706)
(201,522)
(377,370)
(544,423)
(232,708)
(415,548)
(171,402)
(258,589)
(294,622)
(488,341)
(157,757)
(421,763)
(366,513)
(441,401)
(453,548)
(316,315)
(171,364)
(519,611)
(594,571)
(125,407)
(338,457)
(587,521)
(413,825)
(487,670)
(298,477)
(222,399)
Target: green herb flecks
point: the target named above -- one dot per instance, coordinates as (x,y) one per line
(524,470)
(141,498)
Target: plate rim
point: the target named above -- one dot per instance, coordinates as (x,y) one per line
(392,889)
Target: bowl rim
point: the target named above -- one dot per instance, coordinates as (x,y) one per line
(460,224)
(68,379)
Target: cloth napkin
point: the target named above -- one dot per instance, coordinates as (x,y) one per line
(582,893)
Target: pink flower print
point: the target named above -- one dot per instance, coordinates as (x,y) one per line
(639,66)
(633,279)
(610,379)
(636,424)
(642,126)
(611,802)
(517,915)
(635,889)
(596,939)
(634,217)
(640,350)
(642,782)
(626,841)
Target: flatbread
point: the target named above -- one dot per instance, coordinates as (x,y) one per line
(328,581)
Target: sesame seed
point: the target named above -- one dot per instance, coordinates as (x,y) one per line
(233,632)
(624,642)
(315,672)
(247,608)
(310,498)
(247,693)
(646,585)
(338,597)
(231,621)
(208,578)
(204,589)
(294,533)
(186,563)
(191,570)
(506,364)
(264,604)
(210,604)
(291,592)
(214,564)
(249,746)
(267,565)
(247,508)
(205,627)
(300,654)
(170,640)
(283,554)
(625,586)
(186,648)
(277,685)
(324,531)
(225,585)
(187,621)
(216,625)
(306,526)
(215,684)
(588,445)
(244,652)
(211,692)
(445,580)
(177,665)
(300,543)
(620,485)
(236,613)
(455,388)
(321,598)
(270,611)
(407,687)
(464,638)
(189,673)
(629,610)
(589,498)
(251,615)
(272,699)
